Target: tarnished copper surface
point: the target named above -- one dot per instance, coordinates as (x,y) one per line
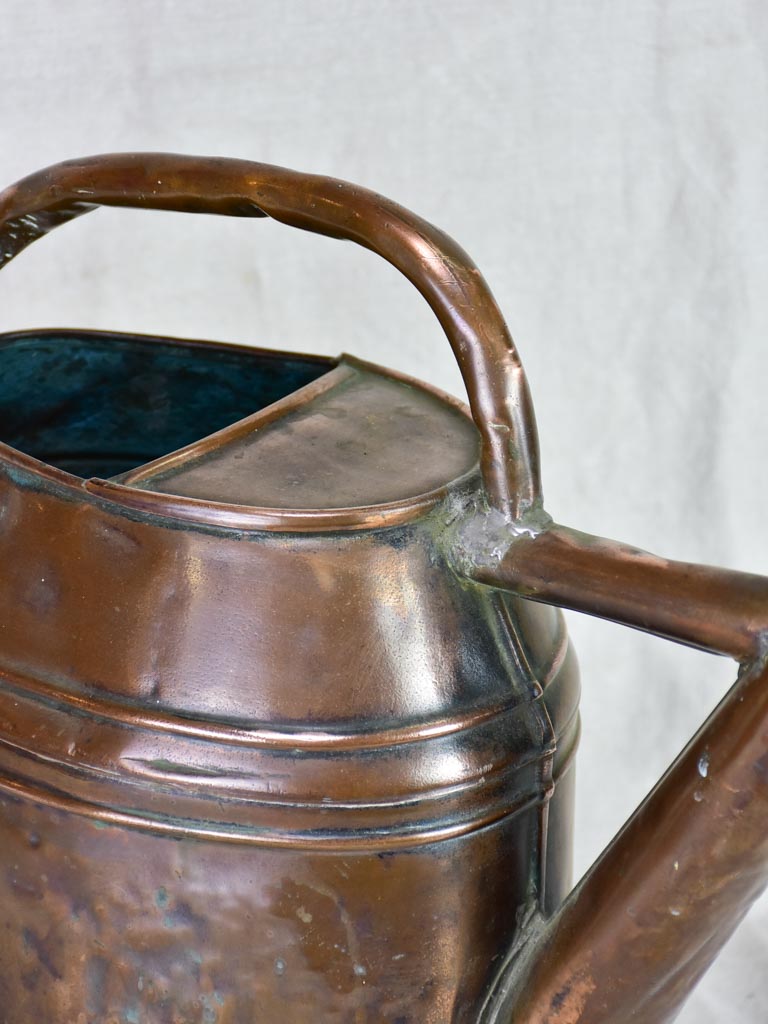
(303,741)
(287,734)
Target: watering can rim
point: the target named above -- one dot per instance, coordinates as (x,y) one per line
(229,516)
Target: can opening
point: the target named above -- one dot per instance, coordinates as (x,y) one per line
(99,404)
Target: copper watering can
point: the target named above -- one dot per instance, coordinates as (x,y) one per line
(288,714)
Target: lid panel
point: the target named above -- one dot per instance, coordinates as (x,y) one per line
(355,437)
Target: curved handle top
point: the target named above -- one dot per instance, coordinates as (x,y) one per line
(444,274)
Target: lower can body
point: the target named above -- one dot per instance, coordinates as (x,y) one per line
(111,925)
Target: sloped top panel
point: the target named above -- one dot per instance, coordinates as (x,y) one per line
(354,437)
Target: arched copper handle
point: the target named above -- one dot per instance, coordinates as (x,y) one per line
(440,269)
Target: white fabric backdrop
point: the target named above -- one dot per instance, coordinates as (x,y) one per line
(607,167)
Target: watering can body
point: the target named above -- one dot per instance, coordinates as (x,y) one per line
(287,708)
(251,772)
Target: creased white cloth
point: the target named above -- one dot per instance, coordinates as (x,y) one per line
(606,164)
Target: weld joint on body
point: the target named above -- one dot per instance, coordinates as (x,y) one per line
(482,536)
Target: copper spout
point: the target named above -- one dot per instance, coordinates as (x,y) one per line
(637,933)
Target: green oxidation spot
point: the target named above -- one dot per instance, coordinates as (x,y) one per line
(99,824)
(219,998)
(131,1017)
(161,897)
(168,921)
(210,1015)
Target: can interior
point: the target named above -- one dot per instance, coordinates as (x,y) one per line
(98,404)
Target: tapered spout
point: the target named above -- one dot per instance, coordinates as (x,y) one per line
(634,937)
